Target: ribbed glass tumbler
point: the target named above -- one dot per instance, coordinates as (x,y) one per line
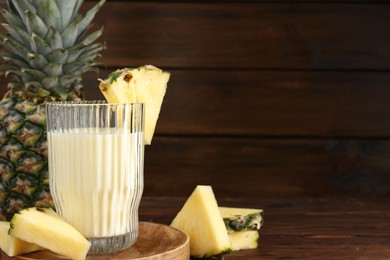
(96,158)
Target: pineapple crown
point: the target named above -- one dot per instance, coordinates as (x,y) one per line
(46,49)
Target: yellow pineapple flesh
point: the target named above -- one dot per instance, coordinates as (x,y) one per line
(201,220)
(45,228)
(146,84)
(13,246)
(244,239)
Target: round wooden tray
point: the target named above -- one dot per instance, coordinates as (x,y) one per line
(155,241)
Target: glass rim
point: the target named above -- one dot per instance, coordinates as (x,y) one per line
(91,103)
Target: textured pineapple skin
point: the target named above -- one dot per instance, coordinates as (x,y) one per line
(43,227)
(43,60)
(23,155)
(146,84)
(13,246)
(201,220)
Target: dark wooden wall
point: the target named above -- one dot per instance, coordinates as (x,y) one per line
(267,98)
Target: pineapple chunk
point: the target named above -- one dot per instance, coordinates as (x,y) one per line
(244,239)
(240,219)
(13,246)
(201,220)
(45,228)
(146,84)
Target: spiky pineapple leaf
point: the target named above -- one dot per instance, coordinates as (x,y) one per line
(39,33)
(14,59)
(16,47)
(75,29)
(35,24)
(91,50)
(53,69)
(11,19)
(39,45)
(50,14)
(86,55)
(91,56)
(35,74)
(19,34)
(37,61)
(74,67)
(53,38)
(70,34)
(58,56)
(75,51)
(21,6)
(92,37)
(69,79)
(24,77)
(68,10)
(50,82)
(93,47)
(88,17)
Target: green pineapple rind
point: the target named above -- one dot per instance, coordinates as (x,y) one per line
(214,256)
(237,219)
(242,223)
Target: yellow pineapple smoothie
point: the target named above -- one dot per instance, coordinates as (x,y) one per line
(95,179)
(96,157)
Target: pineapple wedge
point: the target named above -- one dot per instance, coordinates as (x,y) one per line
(45,228)
(244,239)
(146,84)
(13,246)
(241,219)
(201,220)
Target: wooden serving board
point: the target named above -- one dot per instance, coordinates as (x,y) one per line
(155,241)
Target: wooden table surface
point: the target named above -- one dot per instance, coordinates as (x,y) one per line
(323,228)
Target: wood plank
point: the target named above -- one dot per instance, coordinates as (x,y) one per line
(251,35)
(256,167)
(272,103)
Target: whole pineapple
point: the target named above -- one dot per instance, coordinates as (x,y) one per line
(45,52)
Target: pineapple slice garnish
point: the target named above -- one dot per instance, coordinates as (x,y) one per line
(146,84)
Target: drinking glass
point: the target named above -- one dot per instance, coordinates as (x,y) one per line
(96,158)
